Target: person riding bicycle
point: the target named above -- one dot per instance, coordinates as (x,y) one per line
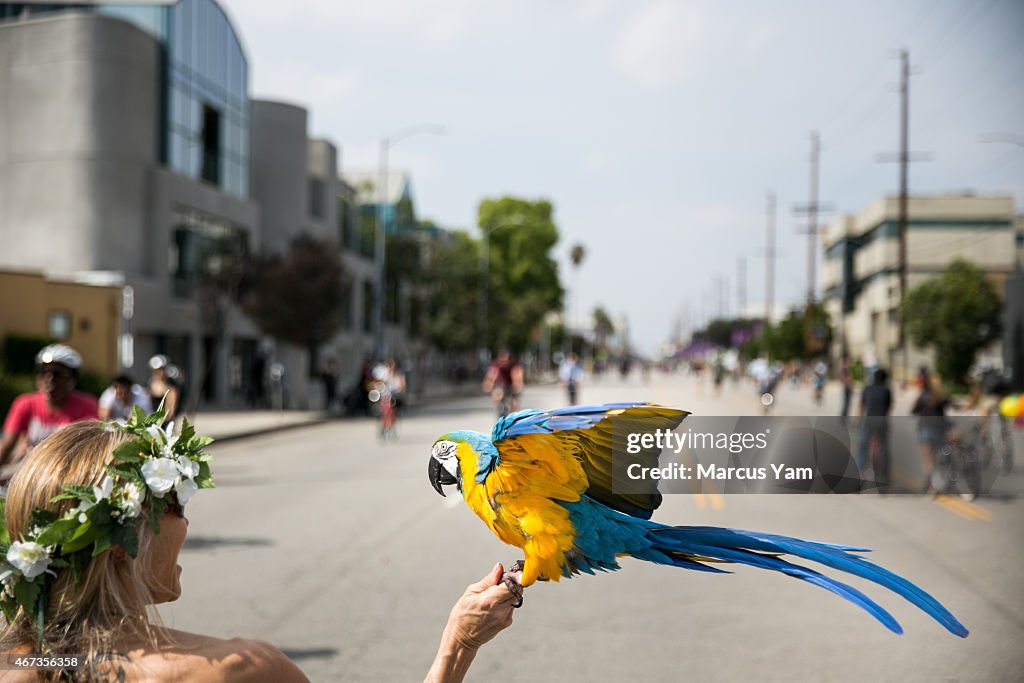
(875,404)
(571,375)
(55,403)
(504,382)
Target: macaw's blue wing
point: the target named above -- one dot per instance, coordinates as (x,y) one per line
(592,435)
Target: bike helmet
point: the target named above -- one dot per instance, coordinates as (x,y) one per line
(59,353)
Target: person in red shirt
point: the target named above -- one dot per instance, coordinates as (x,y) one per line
(55,403)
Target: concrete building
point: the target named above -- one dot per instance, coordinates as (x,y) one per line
(131,155)
(125,152)
(861,267)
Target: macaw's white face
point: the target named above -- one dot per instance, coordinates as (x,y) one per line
(444,465)
(446,453)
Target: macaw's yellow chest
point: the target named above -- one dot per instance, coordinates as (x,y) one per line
(523,517)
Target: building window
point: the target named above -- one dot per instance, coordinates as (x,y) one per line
(368,304)
(316,198)
(211,145)
(203,246)
(58,325)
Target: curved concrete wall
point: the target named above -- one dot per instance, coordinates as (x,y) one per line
(79,102)
(279,176)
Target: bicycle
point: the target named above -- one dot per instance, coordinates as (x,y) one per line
(997,442)
(958,465)
(879,460)
(381,397)
(506,401)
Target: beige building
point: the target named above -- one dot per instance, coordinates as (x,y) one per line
(861,267)
(87,315)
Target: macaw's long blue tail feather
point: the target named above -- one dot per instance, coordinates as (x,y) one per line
(684,546)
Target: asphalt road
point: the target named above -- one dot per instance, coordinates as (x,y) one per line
(335,548)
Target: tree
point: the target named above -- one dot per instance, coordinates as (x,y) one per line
(800,335)
(603,327)
(577,254)
(454,283)
(957,313)
(298,297)
(522,277)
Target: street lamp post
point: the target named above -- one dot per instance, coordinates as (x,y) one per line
(379,255)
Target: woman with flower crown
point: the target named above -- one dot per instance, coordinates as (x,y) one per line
(92,527)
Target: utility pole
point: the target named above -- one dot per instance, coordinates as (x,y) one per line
(741,286)
(769,267)
(811,209)
(904,157)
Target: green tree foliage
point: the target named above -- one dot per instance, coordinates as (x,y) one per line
(299,296)
(404,263)
(957,313)
(522,284)
(454,282)
(801,335)
(603,326)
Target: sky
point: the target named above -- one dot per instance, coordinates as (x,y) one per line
(655,127)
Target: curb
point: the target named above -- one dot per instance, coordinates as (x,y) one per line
(260,431)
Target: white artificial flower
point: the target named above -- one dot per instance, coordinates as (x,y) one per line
(161,474)
(104,489)
(165,439)
(29,558)
(184,489)
(6,574)
(189,468)
(131,500)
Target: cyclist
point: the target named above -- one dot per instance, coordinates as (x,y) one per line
(875,404)
(571,375)
(504,382)
(389,383)
(55,403)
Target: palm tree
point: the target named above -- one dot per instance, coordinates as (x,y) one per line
(576,255)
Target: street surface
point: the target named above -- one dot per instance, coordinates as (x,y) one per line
(336,549)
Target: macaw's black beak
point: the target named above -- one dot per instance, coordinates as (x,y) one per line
(439,476)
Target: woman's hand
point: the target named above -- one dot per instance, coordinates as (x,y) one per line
(482,611)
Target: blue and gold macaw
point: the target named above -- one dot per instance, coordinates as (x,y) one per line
(543,482)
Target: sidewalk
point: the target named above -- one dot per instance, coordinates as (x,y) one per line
(226,425)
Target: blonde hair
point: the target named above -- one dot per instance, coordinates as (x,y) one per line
(108,600)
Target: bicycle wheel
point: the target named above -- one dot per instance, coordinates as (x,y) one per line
(959,472)
(945,473)
(968,482)
(1004,444)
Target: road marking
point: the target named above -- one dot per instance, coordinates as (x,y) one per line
(965,509)
(716,500)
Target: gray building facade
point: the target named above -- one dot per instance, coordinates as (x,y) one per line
(122,157)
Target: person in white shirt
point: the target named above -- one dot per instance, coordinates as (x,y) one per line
(118,400)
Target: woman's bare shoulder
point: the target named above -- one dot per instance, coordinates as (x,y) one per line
(194,657)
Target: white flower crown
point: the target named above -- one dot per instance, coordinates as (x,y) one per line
(145,470)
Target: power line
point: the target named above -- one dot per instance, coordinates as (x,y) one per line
(946,45)
(873,76)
